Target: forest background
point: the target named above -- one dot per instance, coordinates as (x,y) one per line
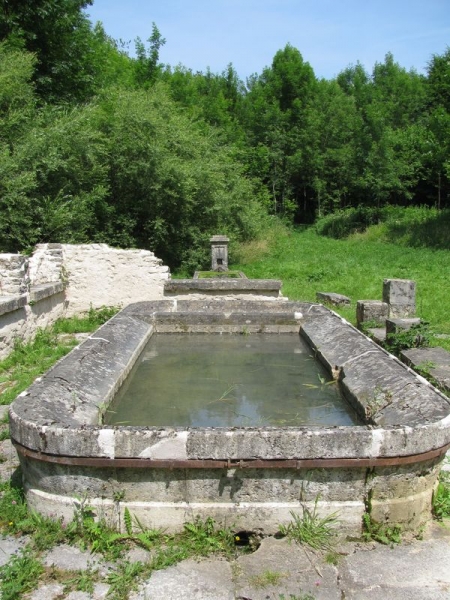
(99,146)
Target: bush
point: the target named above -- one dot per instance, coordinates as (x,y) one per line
(343,223)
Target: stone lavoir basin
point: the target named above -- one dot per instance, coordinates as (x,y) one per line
(244,476)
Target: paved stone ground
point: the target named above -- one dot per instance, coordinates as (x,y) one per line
(419,570)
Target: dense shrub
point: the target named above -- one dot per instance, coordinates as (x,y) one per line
(343,223)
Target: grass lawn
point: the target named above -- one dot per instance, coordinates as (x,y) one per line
(308,263)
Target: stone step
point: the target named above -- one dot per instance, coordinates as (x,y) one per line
(222,287)
(432,361)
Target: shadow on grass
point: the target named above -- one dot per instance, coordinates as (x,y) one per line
(429,231)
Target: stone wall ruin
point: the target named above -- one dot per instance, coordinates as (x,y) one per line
(64,279)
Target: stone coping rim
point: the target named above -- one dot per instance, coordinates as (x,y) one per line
(12,303)
(201,463)
(45,290)
(81,437)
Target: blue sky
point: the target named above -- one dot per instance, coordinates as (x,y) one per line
(330,34)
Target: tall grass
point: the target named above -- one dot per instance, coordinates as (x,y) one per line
(308,263)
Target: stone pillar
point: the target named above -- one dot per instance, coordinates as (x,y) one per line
(219,253)
(400,294)
(13,274)
(373,311)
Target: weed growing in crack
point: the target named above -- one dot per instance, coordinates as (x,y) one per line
(20,575)
(441,497)
(125,578)
(378,532)
(266,579)
(417,336)
(311,529)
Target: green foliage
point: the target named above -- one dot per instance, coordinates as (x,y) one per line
(29,360)
(417,336)
(127,521)
(125,579)
(182,187)
(414,227)
(378,532)
(94,534)
(20,575)
(439,79)
(87,322)
(139,154)
(147,67)
(13,509)
(198,538)
(342,223)
(60,36)
(311,529)
(441,497)
(17,520)
(83,581)
(203,538)
(355,267)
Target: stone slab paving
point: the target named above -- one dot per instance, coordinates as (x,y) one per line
(418,570)
(55,591)
(298,571)
(191,580)
(69,558)
(10,546)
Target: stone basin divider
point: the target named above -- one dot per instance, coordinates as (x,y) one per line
(247,477)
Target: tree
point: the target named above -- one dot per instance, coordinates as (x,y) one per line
(439,80)
(172,182)
(147,67)
(17,94)
(274,116)
(59,34)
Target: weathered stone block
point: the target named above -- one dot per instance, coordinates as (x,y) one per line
(13,274)
(332,298)
(435,361)
(400,294)
(44,290)
(393,326)
(11,303)
(373,311)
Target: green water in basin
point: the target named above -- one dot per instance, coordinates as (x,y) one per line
(193,380)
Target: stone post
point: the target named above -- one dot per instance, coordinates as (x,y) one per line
(373,311)
(400,295)
(219,253)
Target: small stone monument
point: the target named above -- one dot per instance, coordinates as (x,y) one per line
(400,294)
(219,253)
